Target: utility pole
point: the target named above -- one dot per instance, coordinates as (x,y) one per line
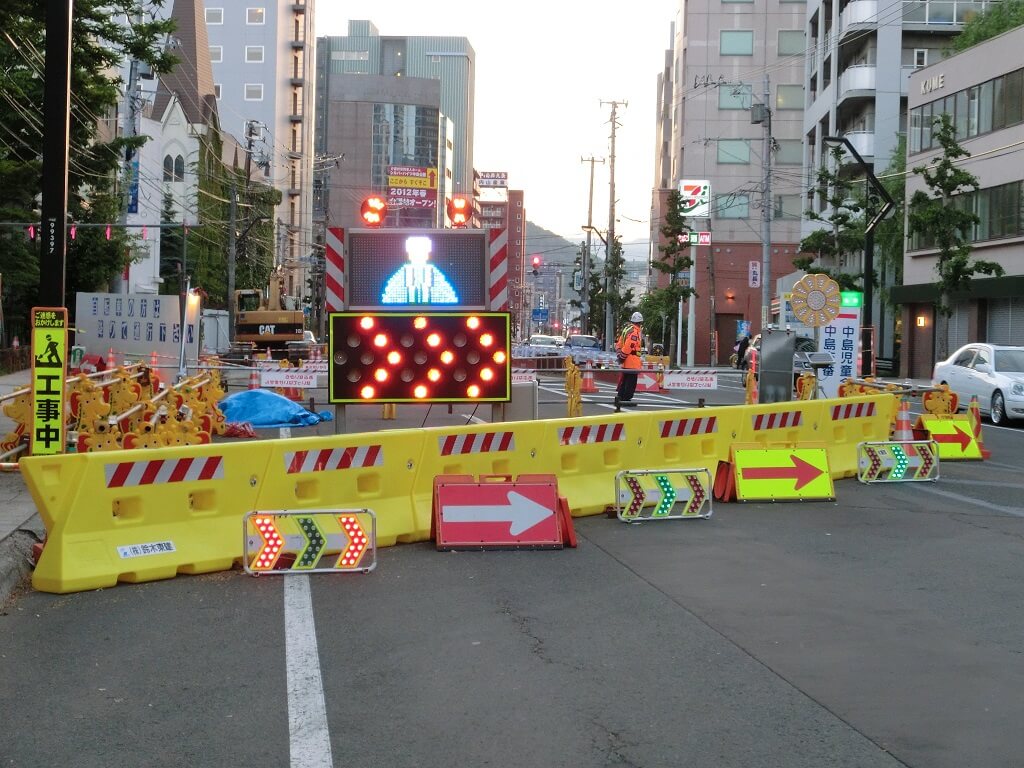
(56,126)
(585,261)
(611,284)
(130,130)
(762,113)
(233,225)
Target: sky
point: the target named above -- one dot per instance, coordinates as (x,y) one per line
(542,70)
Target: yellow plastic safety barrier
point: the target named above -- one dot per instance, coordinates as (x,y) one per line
(690,438)
(953,433)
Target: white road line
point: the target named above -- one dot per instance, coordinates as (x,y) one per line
(1015,511)
(309,741)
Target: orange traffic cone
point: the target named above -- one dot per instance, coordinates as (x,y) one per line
(903,432)
(111,363)
(588,386)
(974,414)
(254,378)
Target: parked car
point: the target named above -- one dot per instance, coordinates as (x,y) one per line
(542,344)
(993,373)
(587,349)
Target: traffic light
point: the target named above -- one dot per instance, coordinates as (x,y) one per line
(459,211)
(373,211)
(536,265)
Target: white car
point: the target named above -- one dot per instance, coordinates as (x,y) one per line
(994,373)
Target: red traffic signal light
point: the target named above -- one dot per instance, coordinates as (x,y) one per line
(373,211)
(459,211)
(536,264)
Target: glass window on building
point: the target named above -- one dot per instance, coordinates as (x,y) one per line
(734,151)
(214,15)
(254,54)
(789,152)
(734,96)
(736,42)
(216,54)
(791,42)
(985,106)
(788,207)
(789,97)
(216,90)
(255,15)
(961,122)
(254,91)
(732,206)
(1012,97)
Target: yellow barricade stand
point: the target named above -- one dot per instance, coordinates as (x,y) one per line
(141,516)
(782,473)
(953,433)
(690,438)
(587,453)
(377,470)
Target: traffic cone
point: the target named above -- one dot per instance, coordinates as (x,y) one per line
(974,414)
(111,363)
(903,432)
(588,386)
(254,378)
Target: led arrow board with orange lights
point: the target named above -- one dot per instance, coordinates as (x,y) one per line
(404,357)
(781,474)
(310,541)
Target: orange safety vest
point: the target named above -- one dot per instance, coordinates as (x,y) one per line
(629,343)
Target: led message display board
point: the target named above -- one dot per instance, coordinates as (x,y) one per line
(400,268)
(426,357)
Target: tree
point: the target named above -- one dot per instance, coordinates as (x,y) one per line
(943,218)
(997,18)
(100,43)
(675,262)
(844,234)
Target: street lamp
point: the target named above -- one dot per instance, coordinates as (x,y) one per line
(869,239)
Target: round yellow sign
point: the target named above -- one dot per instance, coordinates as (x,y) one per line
(815,300)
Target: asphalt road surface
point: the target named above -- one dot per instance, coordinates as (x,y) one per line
(884,629)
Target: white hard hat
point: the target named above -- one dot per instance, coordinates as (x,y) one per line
(636,317)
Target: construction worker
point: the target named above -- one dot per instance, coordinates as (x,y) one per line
(628,347)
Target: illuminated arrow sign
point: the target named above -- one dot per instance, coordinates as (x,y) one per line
(311,541)
(519,512)
(667,500)
(782,473)
(270,550)
(637,497)
(315,542)
(357,542)
(892,462)
(668,496)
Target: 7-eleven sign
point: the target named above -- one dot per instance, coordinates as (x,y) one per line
(696,202)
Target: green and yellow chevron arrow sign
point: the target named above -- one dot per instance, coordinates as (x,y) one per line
(662,494)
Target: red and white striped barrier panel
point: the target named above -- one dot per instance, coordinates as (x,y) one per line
(329,459)
(780,420)
(596,433)
(484,442)
(685,427)
(127,474)
(852,411)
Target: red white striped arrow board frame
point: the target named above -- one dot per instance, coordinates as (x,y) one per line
(128,474)
(329,459)
(594,433)
(497,241)
(334,251)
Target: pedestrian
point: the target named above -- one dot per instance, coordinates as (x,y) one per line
(628,347)
(741,352)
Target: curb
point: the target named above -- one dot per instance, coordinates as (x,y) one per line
(15,562)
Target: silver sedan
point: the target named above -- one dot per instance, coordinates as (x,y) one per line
(992,373)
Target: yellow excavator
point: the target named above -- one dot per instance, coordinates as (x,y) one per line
(268,319)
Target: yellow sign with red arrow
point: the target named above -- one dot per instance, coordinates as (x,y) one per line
(953,433)
(798,472)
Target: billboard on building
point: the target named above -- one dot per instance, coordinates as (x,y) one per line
(412,186)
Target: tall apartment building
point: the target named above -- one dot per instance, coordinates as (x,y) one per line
(721,52)
(262,53)
(860,57)
(451,61)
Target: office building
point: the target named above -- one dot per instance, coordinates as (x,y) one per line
(728,65)
(261,53)
(982,91)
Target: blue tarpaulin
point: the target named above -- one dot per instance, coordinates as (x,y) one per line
(263,408)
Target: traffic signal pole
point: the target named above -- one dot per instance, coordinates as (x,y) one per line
(56,128)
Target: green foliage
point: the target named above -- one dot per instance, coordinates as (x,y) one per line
(658,311)
(937,216)
(997,18)
(613,273)
(100,43)
(844,234)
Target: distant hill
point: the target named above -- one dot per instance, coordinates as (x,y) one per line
(552,248)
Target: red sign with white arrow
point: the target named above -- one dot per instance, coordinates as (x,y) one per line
(496,513)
